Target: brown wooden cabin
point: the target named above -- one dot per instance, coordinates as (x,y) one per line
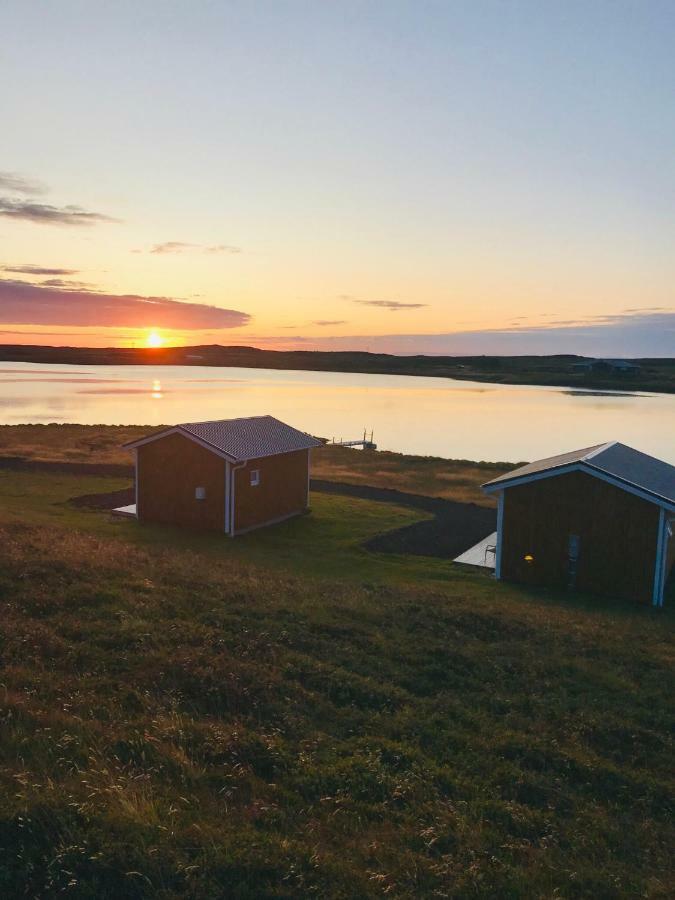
(232,475)
(598,520)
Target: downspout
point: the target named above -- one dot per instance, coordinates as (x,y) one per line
(233,469)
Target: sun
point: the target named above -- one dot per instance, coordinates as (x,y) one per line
(154,339)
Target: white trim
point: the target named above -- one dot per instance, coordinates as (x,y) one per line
(589,469)
(598,450)
(525,479)
(283,452)
(133,445)
(178,430)
(628,486)
(500,535)
(660,562)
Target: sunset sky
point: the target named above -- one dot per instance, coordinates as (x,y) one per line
(441,177)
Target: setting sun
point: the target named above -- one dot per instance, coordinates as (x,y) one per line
(154,339)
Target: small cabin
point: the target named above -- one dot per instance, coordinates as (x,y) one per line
(231,475)
(598,520)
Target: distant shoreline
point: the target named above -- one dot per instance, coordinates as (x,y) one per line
(652,375)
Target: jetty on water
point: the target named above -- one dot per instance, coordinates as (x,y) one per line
(364,442)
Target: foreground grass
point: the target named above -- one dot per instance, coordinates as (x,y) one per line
(183,717)
(325,544)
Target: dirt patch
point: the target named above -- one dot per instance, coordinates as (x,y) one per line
(455,527)
(111,500)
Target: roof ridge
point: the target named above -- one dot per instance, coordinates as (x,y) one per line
(201,437)
(218,421)
(599,449)
(591,449)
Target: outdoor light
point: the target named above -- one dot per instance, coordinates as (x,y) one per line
(529,558)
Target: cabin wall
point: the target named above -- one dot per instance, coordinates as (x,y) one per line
(618,536)
(169,470)
(282,491)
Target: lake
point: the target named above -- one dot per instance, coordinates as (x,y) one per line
(429,416)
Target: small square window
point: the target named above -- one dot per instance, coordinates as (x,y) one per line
(255,477)
(200,493)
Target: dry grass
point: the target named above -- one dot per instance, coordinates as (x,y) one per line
(70,443)
(450,479)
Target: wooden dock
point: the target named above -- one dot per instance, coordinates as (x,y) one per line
(364,442)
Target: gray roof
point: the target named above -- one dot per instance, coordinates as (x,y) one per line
(242,439)
(624,464)
(251,438)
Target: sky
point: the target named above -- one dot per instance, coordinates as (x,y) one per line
(407,177)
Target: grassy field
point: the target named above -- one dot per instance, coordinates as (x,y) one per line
(447,478)
(289,715)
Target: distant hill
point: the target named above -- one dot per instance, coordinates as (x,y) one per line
(560,370)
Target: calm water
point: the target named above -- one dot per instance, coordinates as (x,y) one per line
(435,416)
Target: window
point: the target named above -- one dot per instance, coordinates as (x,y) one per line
(200,493)
(255,477)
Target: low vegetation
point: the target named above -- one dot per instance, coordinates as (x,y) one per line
(451,479)
(289,715)
(70,443)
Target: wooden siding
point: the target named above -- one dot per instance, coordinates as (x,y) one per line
(618,533)
(169,470)
(282,490)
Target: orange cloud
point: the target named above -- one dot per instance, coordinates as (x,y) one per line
(22,303)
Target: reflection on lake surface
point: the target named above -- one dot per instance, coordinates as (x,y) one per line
(429,416)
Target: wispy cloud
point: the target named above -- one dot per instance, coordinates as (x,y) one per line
(324,322)
(222,248)
(183,246)
(171,247)
(38,270)
(45,214)
(19,184)
(642,334)
(22,303)
(66,283)
(21,208)
(393,305)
